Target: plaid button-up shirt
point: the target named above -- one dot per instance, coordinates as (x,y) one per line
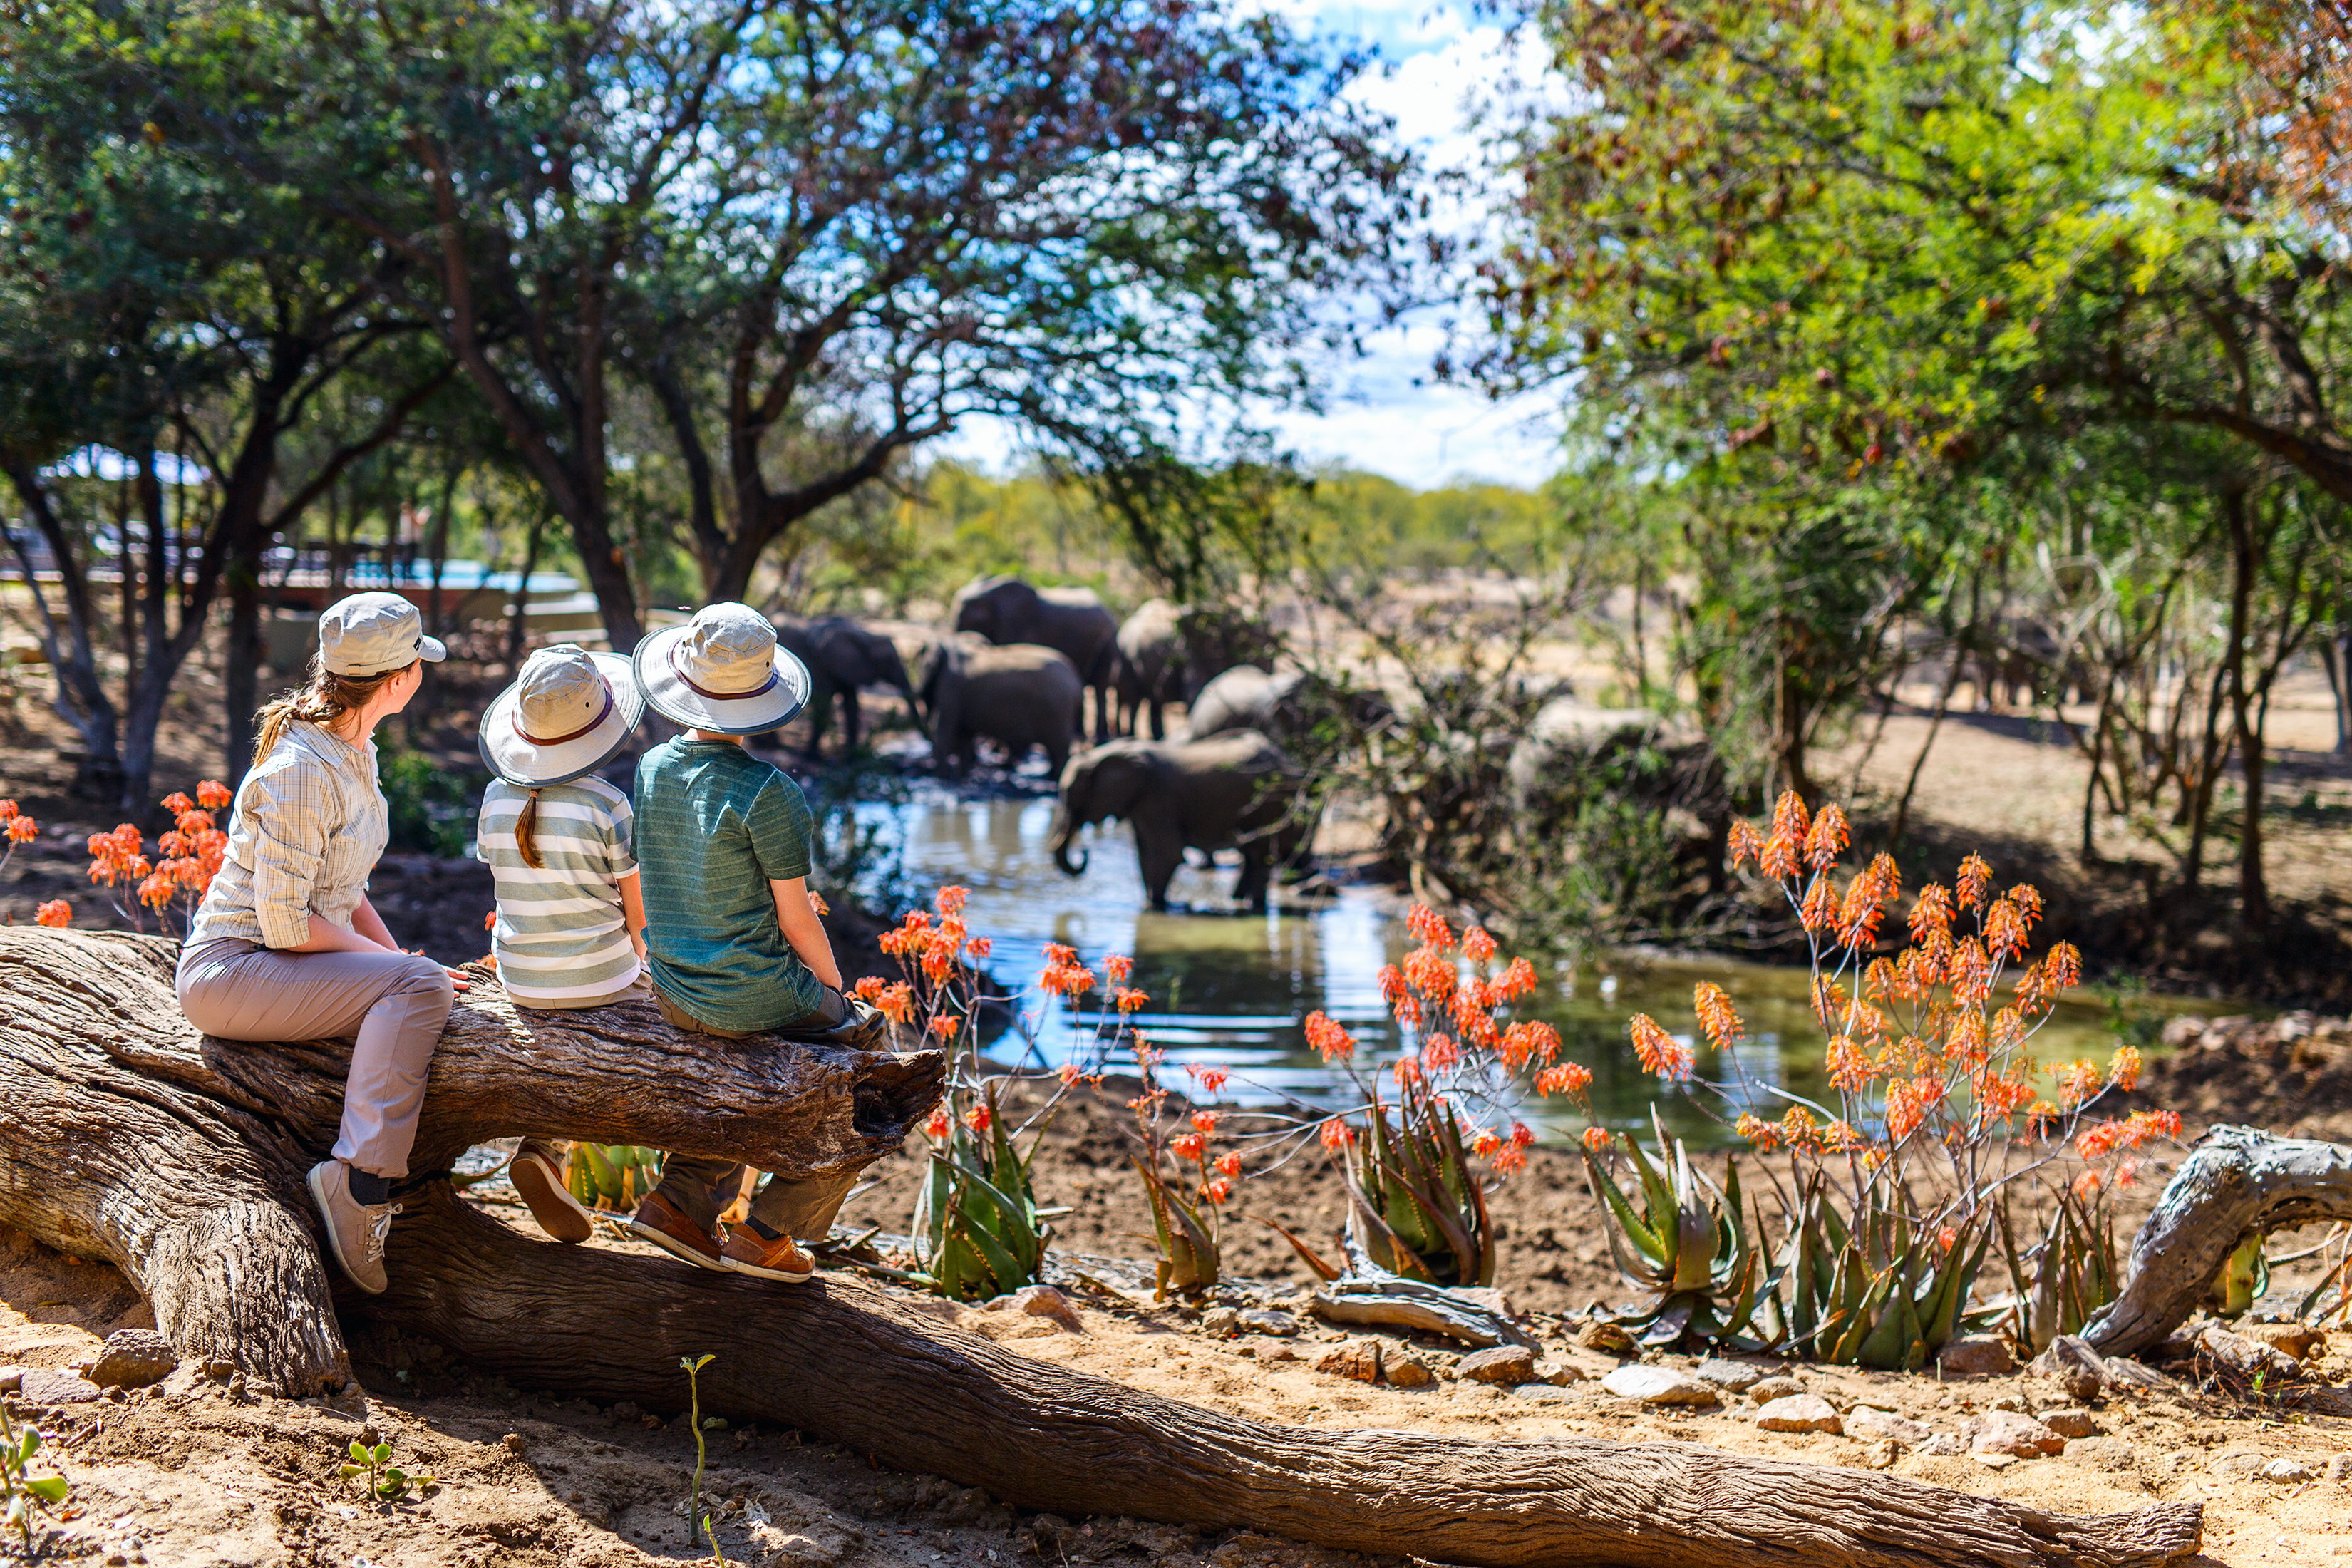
(310,826)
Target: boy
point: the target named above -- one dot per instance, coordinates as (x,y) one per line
(733,943)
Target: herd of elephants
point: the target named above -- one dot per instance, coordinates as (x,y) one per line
(1014,666)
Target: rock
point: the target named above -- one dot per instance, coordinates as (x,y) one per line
(1975,1356)
(11,1379)
(40,1385)
(2125,1373)
(1800,1413)
(133,1358)
(2010,1402)
(1546,1394)
(220,1371)
(2078,1369)
(2297,1340)
(1222,1322)
(517,1443)
(1407,1371)
(2102,1453)
(1558,1373)
(1357,1359)
(2237,1461)
(1041,1301)
(1281,1325)
(1869,1421)
(1763,1391)
(1731,1376)
(2286,1472)
(2007,1432)
(1606,1337)
(2339,1467)
(2069,1423)
(1505,1366)
(2247,1358)
(1658,1385)
(1942,1444)
(1881,1453)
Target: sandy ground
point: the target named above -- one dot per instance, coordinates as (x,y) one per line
(190,1472)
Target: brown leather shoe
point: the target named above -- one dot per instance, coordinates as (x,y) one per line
(748,1252)
(661,1222)
(537,1173)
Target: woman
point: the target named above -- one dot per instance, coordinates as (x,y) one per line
(287,946)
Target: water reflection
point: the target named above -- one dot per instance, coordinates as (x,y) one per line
(1229,988)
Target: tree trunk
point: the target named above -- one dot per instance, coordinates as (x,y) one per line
(2238,1180)
(81,700)
(124,1134)
(241,666)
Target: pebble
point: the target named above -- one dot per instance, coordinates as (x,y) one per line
(1781,1386)
(1271,1320)
(1881,1453)
(1607,1337)
(1359,1359)
(1800,1413)
(2069,1423)
(2297,1340)
(2339,1467)
(2286,1471)
(133,1358)
(1943,1443)
(1731,1376)
(1042,1301)
(1221,1322)
(1546,1394)
(1505,1366)
(516,1443)
(2102,1453)
(1975,1356)
(1869,1421)
(2008,1432)
(1407,1371)
(1658,1385)
(41,1385)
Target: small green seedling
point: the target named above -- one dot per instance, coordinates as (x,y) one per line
(23,1494)
(386,1482)
(692,1366)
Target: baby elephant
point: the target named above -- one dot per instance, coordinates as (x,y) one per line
(1020,696)
(1231,789)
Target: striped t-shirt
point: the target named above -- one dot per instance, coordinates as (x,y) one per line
(560,934)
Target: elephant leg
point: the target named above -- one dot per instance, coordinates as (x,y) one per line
(1257,872)
(1159,720)
(1103,714)
(849,720)
(1058,755)
(1158,855)
(820,719)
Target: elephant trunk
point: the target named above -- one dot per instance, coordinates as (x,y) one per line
(1065,835)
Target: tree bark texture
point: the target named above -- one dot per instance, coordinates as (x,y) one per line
(124,1134)
(2236,1181)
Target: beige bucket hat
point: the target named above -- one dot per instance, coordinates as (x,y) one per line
(722,672)
(566,714)
(369,633)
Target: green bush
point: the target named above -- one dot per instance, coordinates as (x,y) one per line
(431,809)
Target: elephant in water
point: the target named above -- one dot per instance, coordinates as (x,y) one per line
(1020,696)
(1235,789)
(1007,610)
(843,657)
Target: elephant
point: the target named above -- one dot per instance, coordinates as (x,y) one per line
(1007,610)
(1020,696)
(1288,705)
(1150,667)
(842,657)
(1167,653)
(1233,789)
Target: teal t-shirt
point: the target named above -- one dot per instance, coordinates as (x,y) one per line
(715,825)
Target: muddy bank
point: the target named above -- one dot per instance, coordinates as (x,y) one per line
(2290,1074)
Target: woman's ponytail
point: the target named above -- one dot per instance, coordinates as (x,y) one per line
(321,698)
(526,833)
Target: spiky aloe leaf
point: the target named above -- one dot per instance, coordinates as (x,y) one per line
(1635,1227)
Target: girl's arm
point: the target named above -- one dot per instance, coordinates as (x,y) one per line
(796,912)
(633,912)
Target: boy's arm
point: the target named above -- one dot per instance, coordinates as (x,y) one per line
(633,911)
(796,912)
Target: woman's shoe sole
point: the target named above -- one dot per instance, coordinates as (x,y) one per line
(551,1203)
(676,1248)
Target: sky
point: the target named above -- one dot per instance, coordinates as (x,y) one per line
(1385,414)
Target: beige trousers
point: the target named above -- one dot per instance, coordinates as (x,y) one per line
(393,1003)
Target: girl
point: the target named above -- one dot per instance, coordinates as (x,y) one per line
(287,946)
(569,926)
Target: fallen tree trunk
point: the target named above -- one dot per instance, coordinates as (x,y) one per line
(2237,1181)
(124,1134)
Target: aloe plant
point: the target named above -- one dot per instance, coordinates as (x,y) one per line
(612,1175)
(1189,1258)
(2069,1278)
(1414,1202)
(976,1222)
(1688,1245)
(1883,1290)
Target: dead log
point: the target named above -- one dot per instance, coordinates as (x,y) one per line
(124,1134)
(2237,1181)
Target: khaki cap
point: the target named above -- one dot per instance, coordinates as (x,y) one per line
(370,634)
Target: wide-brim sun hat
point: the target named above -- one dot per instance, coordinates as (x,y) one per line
(722,672)
(565,715)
